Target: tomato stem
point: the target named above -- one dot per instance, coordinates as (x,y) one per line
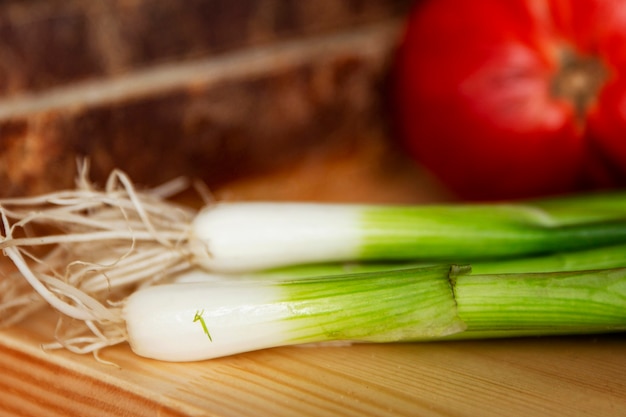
(578,81)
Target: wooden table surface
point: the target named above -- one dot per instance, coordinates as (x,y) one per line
(565,376)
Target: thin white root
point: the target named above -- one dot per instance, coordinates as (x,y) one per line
(83,251)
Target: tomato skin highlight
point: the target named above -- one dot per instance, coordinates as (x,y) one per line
(482,95)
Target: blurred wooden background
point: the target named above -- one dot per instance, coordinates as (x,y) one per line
(261,99)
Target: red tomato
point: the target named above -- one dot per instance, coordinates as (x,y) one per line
(515,98)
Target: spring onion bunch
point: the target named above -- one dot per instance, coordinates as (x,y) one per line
(91,252)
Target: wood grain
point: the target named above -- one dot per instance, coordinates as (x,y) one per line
(218,119)
(51,43)
(568,376)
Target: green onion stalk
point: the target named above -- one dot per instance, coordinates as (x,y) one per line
(605,257)
(240,237)
(197,321)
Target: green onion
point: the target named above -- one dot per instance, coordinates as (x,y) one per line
(100,245)
(239,237)
(576,208)
(433,303)
(605,257)
(143,228)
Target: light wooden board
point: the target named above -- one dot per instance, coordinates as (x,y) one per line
(568,376)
